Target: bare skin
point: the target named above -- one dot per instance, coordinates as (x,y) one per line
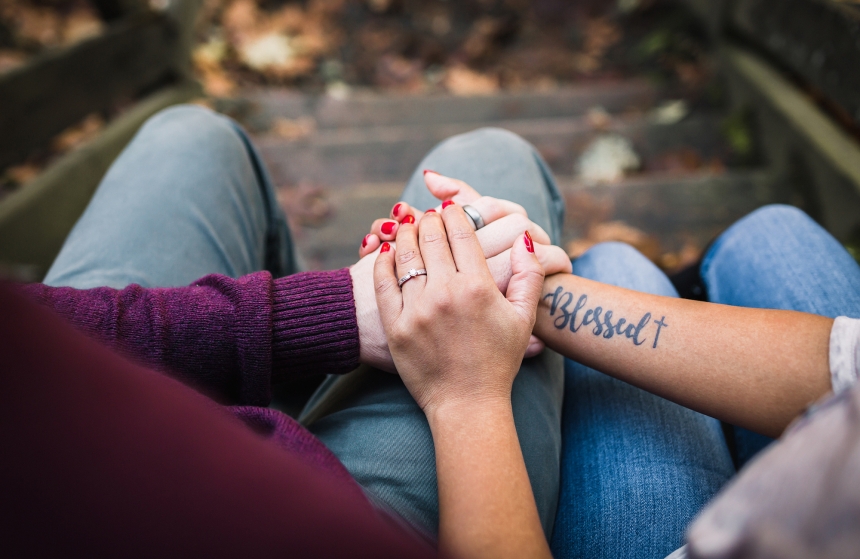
(754,368)
(458,343)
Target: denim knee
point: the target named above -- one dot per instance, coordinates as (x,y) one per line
(185,124)
(503,142)
(759,224)
(622,265)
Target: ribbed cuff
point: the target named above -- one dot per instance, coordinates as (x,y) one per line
(314,327)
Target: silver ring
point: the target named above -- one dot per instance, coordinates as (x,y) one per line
(413,273)
(476,218)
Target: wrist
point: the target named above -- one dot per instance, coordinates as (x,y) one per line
(373,345)
(461,411)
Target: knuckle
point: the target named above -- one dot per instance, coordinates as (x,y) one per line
(406,256)
(459,233)
(385,285)
(433,238)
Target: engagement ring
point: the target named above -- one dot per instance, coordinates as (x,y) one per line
(413,273)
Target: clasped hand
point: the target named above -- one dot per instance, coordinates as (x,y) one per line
(454,337)
(505,222)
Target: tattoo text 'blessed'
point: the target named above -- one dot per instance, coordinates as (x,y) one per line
(600,318)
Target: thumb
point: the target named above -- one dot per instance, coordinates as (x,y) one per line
(526,282)
(446,188)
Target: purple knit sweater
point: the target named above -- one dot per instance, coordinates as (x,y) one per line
(229,338)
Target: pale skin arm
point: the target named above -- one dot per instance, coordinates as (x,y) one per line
(486,504)
(457,343)
(752,368)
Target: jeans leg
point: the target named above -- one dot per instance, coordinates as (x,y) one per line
(635,468)
(379,433)
(779,258)
(189,196)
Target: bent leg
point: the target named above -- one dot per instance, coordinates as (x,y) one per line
(635,468)
(779,258)
(378,431)
(187,197)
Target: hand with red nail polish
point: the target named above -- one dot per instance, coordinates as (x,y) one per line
(388,227)
(530,245)
(408,219)
(458,343)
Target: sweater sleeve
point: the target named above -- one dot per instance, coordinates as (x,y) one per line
(230,338)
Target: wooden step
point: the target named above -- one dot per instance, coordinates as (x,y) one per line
(339,158)
(363,108)
(677,210)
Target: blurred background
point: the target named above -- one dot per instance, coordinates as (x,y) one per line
(663,120)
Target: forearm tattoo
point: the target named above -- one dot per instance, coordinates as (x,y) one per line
(604,324)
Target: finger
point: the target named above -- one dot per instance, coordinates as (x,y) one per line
(389,300)
(446,188)
(435,251)
(500,235)
(408,257)
(401,210)
(492,209)
(526,282)
(465,247)
(369,243)
(553,259)
(535,347)
(385,229)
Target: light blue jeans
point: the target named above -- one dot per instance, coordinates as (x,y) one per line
(636,468)
(189,196)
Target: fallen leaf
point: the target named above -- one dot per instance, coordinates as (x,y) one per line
(76,135)
(294,129)
(24,173)
(460,80)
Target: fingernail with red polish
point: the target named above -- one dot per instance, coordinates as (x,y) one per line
(395,209)
(385,247)
(364,241)
(430,171)
(530,245)
(387,227)
(409,219)
(447,203)
(430,211)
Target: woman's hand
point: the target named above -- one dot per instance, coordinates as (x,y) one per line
(505,222)
(452,334)
(458,344)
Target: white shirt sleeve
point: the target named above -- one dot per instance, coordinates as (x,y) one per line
(844,353)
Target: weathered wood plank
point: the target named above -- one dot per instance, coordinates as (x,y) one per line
(817,39)
(806,149)
(34,221)
(59,88)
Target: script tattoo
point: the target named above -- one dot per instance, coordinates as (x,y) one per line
(601,319)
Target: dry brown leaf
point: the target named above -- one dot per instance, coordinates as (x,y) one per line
(76,135)
(396,72)
(10,59)
(460,80)
(81,24)
(24,173)
(290,129)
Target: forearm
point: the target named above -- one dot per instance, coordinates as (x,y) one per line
(750,367)
(230,338)
(486,504)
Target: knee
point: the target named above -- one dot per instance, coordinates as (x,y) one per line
(771,217)
(613,253)
(764,223)
(622,265)
(496,140)
(190,123)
